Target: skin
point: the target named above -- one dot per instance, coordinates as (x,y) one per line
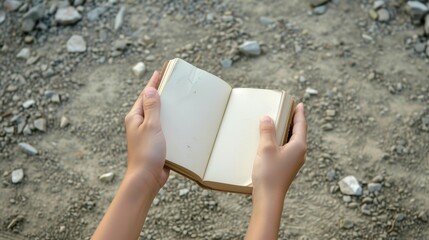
(274,169)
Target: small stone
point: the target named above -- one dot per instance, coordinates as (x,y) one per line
(24,53)
(347,198)
(417,10)
(67,16)
(400,217)
(331,174)
(373,14)
(76,44)
(419,47)
(320,10)
(95,13)
(365,209)
(28,103)
(139,69)
(17,175)
(226,63)
(78,2)
(28,25)
(423,216)
(378,179)
(374,187)
(311,91)
(40,124)
(346,224)
(119,19)
(383,15)
(266,21)
(327,127)
(33,60)
(330,113)
(29,39)
(12,5)
(27,130)
(315,3)
(350,186)
(183,192)
(35,13)
(378,4)
(367,200)
(107,177)
(9,130)
(27,148)
(251,48)
(55,98)
(64,122)
(62,228)
(2,16)
(120,45)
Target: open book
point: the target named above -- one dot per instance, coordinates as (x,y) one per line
(212,130)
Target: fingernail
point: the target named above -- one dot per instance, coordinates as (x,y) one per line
(266,119)
(150,92)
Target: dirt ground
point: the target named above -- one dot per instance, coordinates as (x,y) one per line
(364,70)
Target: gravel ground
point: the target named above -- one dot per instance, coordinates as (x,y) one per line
(360,67)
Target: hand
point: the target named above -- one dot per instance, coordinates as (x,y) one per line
(145,139)
(276,166)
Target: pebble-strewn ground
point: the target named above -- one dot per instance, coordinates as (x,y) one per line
(69,73)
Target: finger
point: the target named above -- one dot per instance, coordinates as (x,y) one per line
(151,105)
(137,108)
(267,134)
(299,130)
(154,80)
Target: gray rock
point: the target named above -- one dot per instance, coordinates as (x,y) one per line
(139,69)
(426,27)
(311,91)
(40,124)
(320,10)
(330,113)
(266,21)
(2,16)
(378,179)
(365,209)
(67,16)
(419,47)
(346,224)
(17,175)
(28,25)
(383,15)
(107,177)
(35,13)
(120,45)
(27,148)
(9,130)
(251,48)
(347,198)
(315,3)
(350,186)
(78,2)
(55,98)
(95,13)
(64,122)
(12,5)
(20,126)
(400,217)
(374,187)
(119,19)
(423,216)
(28,103)
(417,10)
(76,44)
(378,4)
(226,63)
(24,53)
(27,130)
(183,192)
(330,175)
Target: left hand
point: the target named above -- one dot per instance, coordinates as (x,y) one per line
(145,139)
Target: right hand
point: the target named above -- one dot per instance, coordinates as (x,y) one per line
(276,166)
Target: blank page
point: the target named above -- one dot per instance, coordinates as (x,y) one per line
(193,102)
(231,161)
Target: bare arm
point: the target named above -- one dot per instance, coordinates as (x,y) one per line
(274,169)
(145,172)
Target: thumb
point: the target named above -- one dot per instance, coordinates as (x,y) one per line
(267,131)
(151,105)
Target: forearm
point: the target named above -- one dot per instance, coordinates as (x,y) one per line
(126,214)
(266,216)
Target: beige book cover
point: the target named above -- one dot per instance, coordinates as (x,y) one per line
(212,130)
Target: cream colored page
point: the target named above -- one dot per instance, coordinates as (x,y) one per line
(192,105)
(231,161)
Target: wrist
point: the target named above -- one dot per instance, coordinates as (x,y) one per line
(268,197)
(141,181)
